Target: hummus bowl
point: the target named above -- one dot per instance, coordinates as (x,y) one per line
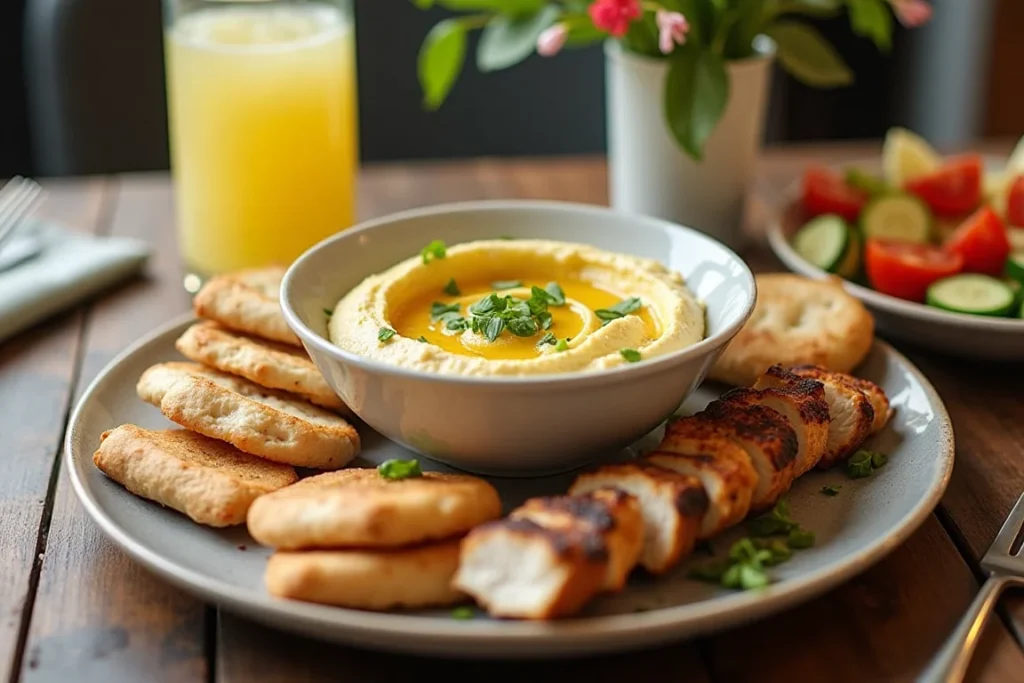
(607,322)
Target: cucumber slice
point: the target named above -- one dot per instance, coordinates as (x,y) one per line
(897,217)
(849,266)
(971,293)
(823,241)
(863,180)
(1015,266)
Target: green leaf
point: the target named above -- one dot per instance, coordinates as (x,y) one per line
(581,31)
(396,469)
(440,61)
(506,41)
(872,19)
(696,92)
(805,54)
(739,42)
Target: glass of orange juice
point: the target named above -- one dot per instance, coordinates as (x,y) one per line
(263,128)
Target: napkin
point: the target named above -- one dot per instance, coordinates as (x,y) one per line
(46,269)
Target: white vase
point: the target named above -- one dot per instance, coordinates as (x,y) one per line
(650,174)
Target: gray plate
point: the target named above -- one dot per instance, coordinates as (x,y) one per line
(868,519)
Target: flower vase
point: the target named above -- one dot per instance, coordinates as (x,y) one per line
(649,173)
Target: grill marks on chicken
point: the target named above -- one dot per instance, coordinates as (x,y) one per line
(738,455)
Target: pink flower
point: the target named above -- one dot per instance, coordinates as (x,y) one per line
(551,40)
(672,28)
(912,13)
(614,16)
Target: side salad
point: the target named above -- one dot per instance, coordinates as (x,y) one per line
(938,231)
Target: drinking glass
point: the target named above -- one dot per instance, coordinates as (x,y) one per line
(263,128)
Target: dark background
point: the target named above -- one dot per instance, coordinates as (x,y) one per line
(83,92)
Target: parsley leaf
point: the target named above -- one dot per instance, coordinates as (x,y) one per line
(422,339)
(619,310)
(831,490)
(492,328)
(548,338)
(556,294)
(545,320)
(439,309)
(456,323)
(385,333)
(631,355)
(395,469)
(452,289)
(328,312)
(433,251)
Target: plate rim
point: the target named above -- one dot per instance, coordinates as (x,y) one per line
(478,638)
(781,247)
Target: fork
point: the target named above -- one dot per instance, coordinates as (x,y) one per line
(1004,568)
(17,200)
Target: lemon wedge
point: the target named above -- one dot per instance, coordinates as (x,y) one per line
(906,155)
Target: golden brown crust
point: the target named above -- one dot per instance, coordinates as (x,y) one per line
(874,393)
(797,320)
(667,538)
(413,577)
(358,507)
(262,422)
(207,480)
(269,364)
(583,566)
(612,515)
(247,301)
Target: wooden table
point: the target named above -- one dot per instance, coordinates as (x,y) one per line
(73,607)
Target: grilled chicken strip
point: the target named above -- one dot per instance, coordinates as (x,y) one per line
(769,441)
(805,408)
(705,450)
(850,411)
(876,395)
(519,569)
(612,513)
(672,506)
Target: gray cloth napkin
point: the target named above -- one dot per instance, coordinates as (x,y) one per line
(48,268)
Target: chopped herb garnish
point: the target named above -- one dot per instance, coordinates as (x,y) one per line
(774,523)
(831,490)
(328,312)
(800,539)
(384,334)
(631,355)
(400,469)
(859,465)
(495,313)
(779,549)
(439,309)
(556,294)
(433,251)
(619,310)
(463,613)
(452,289)
(456,324)
(548,338)
(506,284)
(878,460)
(422,339)
(490,327)
(545,320)
(562,345)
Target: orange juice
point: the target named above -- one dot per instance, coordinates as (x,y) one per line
(262,110)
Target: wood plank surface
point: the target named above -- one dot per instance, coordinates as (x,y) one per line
(40,363)
(99,616)
(249,652)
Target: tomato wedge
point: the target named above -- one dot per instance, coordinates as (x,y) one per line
(904,269)
(825,191)
(982,242)
(953,189)
(1015,202)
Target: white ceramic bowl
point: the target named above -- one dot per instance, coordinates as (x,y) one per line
(960,334)
(514,426)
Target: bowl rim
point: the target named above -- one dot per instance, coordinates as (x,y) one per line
(587,377)
(780,245)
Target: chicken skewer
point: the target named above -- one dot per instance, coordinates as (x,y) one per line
(740,454)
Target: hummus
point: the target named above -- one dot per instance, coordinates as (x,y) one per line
(517,307)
